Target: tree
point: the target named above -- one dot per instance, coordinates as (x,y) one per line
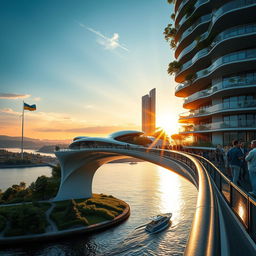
(56,171)
(174,67)
(39,187)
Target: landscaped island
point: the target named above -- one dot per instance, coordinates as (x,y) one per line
(46,219)
(29,213)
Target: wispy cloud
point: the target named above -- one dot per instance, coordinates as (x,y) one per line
(13,96)
(9,111)
(109,43)
(37,99)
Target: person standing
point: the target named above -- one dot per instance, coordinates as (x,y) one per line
(235,157)
(244,150)
(251,160)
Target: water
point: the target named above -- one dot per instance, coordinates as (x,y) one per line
(33,151)
(149,190)
(10,176)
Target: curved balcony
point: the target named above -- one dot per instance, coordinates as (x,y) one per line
(199,9)
(203,19)
(217,108)
(217,17)
(217,88)
(179,11)
(237,32)
(220,126)
(223,65)
(197,28)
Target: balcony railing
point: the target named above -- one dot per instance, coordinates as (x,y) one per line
(196,6)
(214,16)
(202,19)
(249,123)
(219,107)
(229,33)
(217,87)
(229,58)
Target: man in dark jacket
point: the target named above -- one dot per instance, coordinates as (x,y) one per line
(235,157)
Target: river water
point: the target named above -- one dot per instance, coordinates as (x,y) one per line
(147,188)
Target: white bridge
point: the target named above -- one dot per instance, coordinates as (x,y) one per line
(224,221)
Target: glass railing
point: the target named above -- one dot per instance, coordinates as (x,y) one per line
(229,33)
(230,6)
(219,107)
(218,87)
(214,16)
(229,58)
(196,6)
(202,19)
(249,123)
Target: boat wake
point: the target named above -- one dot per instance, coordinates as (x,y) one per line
(138,242)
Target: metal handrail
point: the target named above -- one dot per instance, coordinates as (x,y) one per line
(244,216)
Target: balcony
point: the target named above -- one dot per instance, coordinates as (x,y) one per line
(203,19)
(238,31)
(232,58)
(219,87)
(226,8)
(218,108)
(239,124)
(196,6)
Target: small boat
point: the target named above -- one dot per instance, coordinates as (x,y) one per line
(133,163)
(159,223)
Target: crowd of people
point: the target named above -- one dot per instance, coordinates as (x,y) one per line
(237,161)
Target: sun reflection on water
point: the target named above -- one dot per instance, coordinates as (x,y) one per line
(169,187)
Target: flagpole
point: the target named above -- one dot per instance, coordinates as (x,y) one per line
(22,135)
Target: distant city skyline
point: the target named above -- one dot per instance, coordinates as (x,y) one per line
(85,64)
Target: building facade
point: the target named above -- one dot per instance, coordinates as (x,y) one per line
(149,112)
(216,69)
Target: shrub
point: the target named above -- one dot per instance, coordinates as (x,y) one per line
(25,219)
(174,67)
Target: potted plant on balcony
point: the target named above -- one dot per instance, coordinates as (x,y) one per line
(174,67)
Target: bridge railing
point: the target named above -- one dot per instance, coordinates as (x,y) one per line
(243,205)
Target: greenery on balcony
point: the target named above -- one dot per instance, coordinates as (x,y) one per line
(174,67)
(169,35)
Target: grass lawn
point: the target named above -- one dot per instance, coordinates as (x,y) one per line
(84,212)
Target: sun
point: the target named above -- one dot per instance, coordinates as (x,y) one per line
(168,122)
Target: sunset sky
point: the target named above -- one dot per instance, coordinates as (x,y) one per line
(85,64)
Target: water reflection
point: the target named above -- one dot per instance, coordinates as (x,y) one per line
(169,188)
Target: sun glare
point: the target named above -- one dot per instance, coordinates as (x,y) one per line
(168,123)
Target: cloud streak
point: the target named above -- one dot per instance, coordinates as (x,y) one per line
(13,96)
(109,43)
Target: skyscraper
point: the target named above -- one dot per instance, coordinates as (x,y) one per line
(149,112)
(215,48)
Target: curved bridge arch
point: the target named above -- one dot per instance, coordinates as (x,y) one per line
(79,166)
